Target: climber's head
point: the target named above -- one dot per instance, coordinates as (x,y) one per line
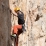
(16,9)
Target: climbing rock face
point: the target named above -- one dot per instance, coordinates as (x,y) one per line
(35,21)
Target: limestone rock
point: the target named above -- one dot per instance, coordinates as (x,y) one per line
(35,34)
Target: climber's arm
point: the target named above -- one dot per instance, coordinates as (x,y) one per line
(12,12)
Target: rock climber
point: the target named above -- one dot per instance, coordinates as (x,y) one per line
(18,28)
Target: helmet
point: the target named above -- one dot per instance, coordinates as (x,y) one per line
(16,9)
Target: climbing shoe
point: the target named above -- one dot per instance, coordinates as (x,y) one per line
(14,35)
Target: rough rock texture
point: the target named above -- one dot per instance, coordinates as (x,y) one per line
(35,21)
(5,23)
